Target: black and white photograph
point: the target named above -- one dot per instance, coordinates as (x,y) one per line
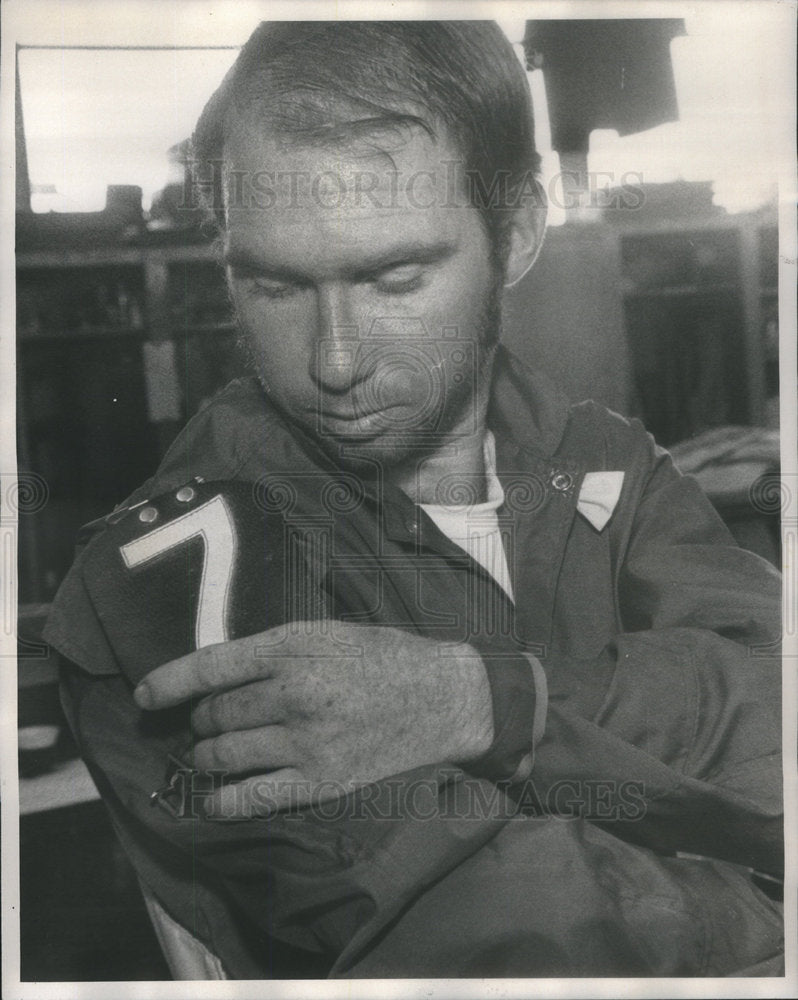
(398,498)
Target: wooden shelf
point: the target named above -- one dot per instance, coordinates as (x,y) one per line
(68,784)
(84,332)
(92,419)
(192,328)
(112,256)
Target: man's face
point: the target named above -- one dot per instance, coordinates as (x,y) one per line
(365,289)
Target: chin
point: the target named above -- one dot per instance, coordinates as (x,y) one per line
(383,453)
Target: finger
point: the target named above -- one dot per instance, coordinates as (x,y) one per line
(211,668)
(263,749)
(311,637)
(247,707)
(259,796)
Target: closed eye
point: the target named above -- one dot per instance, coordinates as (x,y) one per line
(273,289)
(256,284)
(399,280)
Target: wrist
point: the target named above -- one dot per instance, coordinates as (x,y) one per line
(472,724)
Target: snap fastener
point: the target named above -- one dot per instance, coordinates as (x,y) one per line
(148,515)
(412,525)
(562,481)
(185,494)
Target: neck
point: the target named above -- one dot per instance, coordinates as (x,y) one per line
(453,468)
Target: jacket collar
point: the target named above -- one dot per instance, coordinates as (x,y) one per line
(525,407)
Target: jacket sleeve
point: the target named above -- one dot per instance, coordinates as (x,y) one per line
(672,735)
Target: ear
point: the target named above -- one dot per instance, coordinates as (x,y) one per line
(527,228)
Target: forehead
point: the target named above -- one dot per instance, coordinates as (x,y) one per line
(285,194)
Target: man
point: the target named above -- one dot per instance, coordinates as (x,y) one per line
(521,617)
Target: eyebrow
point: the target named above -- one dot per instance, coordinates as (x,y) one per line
(241,259)
(244,259)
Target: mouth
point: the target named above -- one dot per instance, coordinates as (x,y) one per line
(360,423)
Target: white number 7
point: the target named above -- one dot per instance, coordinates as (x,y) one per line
(213,523)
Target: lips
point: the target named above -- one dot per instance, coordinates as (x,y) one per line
(350,417)
(354,419)
(347,423)
(353,414)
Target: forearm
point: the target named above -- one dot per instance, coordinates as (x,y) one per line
(684,722)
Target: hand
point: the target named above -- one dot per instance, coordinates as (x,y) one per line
(324,702)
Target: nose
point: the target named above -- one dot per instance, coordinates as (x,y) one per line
(335,361)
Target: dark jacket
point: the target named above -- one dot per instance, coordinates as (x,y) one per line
(657,636)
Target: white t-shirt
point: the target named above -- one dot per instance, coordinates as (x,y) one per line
(475,527)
